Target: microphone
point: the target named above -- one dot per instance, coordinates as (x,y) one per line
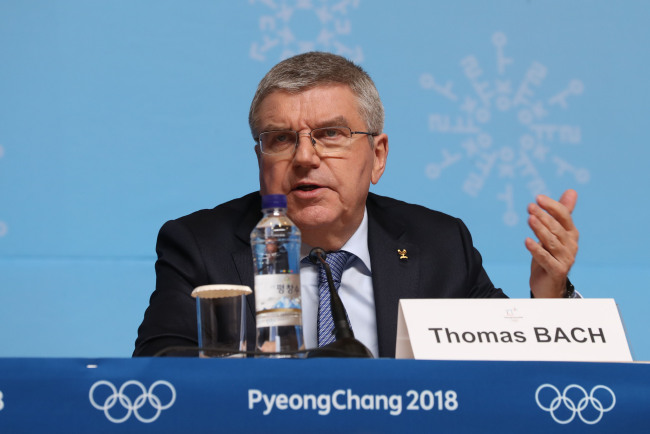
(345,344)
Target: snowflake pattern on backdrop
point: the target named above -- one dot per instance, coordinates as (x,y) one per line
(280,40)
(537,144)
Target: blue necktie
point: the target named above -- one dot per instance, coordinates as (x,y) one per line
(336,261)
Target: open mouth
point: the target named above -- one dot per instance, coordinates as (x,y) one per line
(307,187)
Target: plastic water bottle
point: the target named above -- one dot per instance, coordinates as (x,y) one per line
(275,242)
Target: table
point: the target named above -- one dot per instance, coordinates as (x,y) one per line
(320,395)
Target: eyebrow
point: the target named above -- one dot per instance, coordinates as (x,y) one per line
(338,121)
(273,127)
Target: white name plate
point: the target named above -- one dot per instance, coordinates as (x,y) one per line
(511,329)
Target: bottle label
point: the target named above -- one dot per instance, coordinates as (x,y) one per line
(277,300)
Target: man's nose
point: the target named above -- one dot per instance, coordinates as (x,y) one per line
(305,151)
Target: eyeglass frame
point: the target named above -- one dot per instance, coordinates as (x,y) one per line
(308,134)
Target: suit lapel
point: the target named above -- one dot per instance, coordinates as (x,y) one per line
(392,277)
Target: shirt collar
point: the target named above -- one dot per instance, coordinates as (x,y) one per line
(357,244)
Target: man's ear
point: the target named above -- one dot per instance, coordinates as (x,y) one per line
(258,154)
(380,151)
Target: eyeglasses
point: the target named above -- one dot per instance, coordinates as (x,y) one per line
(326,140)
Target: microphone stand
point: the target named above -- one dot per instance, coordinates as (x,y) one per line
(345,344)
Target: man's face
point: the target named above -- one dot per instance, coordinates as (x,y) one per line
(325,194)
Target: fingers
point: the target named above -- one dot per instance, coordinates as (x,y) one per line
(560,210)
(553,226)
(555,252)
(556,245)
(552,230)
(569,199)
(555,264)
(547,275)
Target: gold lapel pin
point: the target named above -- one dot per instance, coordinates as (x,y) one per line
(402,253)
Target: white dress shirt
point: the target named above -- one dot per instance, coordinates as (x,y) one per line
(356,292)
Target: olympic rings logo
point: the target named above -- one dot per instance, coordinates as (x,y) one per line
(586,400)
(132,407)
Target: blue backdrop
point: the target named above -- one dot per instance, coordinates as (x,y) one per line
(116,116)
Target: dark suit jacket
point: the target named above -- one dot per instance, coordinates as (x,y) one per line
(213,246)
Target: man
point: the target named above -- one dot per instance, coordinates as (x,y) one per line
(317,120)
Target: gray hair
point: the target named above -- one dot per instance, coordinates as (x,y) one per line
(308,70)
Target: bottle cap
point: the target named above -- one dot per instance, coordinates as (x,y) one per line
(274,201)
